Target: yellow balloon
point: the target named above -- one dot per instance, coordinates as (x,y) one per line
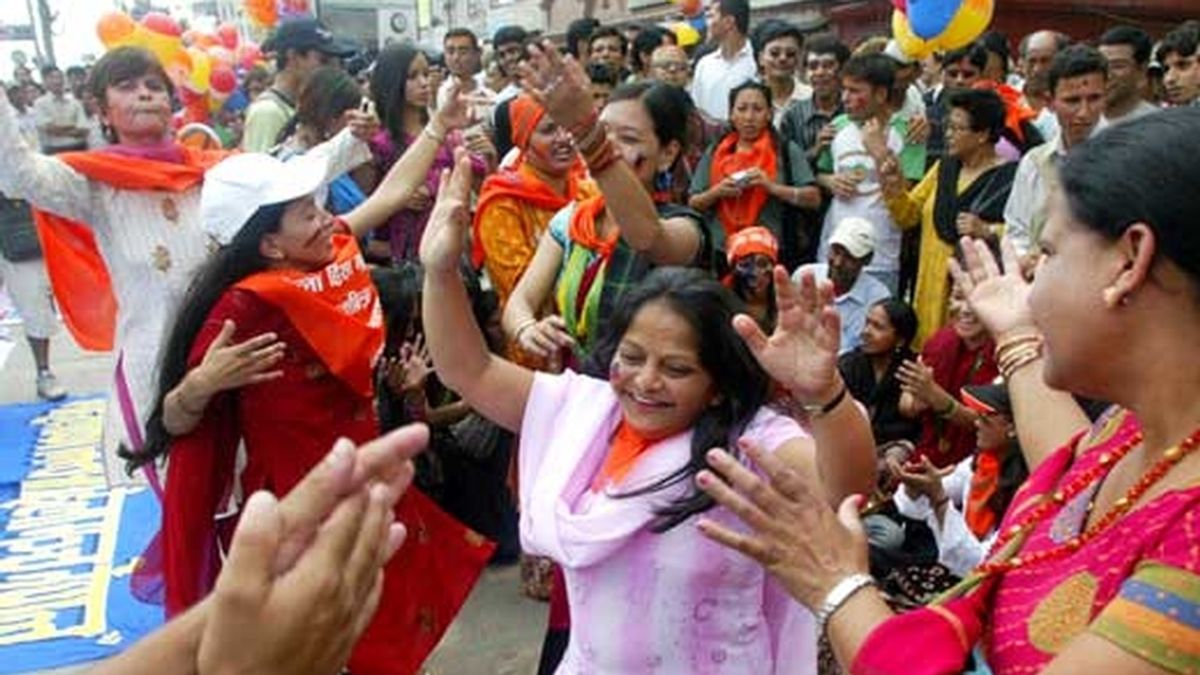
(969,22)
(201,69)
(907,40)
(164,47)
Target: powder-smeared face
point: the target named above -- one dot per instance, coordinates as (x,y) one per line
(305,236)
(657,374)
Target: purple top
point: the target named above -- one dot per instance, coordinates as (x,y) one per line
(404,229)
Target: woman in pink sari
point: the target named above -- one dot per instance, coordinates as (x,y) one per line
(1097,567)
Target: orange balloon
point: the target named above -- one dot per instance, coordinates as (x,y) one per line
(116,29)
(262,12)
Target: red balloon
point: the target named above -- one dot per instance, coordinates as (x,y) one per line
(901,5)
(161,23)
(228,35)
(222,81)
(249,55)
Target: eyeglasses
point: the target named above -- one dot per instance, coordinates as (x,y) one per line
(671,66)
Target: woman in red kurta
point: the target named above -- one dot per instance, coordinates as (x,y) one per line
(288,270)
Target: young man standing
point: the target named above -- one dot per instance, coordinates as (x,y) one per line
(847,170)
(1179,54)
(1078,79)
(300,47)
(777,48)
(1127,50)
(61,121)
(607,46)
(730,64)
(807,122)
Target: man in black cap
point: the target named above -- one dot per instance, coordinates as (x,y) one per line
(300,47)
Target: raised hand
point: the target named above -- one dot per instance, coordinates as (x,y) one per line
(794,534)
(229,366)
(446,232)
(916,378)
(417,364)
(999,299)
(362,123)
(802,352)
(559,84)
(545,337)
(874,137)
(458,110)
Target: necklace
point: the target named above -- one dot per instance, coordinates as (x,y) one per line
(1083,481)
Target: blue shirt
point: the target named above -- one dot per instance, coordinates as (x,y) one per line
(853,305)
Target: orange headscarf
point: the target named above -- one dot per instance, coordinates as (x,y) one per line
(750,241)
(1016,110)
(78,275)
(335,309)
(525,114)
(738,213)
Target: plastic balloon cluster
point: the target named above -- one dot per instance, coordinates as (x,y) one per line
(202,66)
(267,13)
(922,27)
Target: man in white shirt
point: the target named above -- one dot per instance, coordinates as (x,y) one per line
(509,43)
(731,64)
(850,249)
(61,122)
(1078,81)
(1127,50)
(848,171)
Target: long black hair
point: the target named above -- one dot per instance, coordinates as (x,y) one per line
(388,83)
(329,92)
(742,385)
(233,262)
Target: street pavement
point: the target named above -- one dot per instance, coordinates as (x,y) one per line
(498,632)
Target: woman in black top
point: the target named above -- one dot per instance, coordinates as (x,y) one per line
(870,370)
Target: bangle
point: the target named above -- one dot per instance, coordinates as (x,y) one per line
(819,411)
(428,132)
(590,141)
(842,591)
(587,122)
(602,157)
(948,411)
(1016,341)
(527,323)
(1017,362)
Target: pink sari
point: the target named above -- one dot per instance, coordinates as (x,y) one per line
(1113,586)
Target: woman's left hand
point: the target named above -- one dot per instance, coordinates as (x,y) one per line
(971,225)
(362,124)
(917,379)
(445,234)
(802,352)
(559,84)
(794,534)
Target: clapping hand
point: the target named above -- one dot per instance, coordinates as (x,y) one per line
(921,477)
(559,84)
(230,366)
(802,352)
(794,534)
(999,299)
(446,232)
(916,378)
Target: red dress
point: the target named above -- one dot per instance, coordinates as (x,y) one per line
(954,366)
(288,425)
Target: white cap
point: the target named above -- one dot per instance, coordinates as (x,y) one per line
(856,235)
(235,188)
(895,53)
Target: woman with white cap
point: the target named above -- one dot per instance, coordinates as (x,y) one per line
(286,267)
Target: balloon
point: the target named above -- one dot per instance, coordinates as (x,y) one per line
(685,34)
(288,9)
(969,23)
(205,41)
(261,12)
(901,5)
(928,18)
(161,23)
(221,82)
(249,55)
(222,55)
(227,33)
(909,43)
(198,79)
(116,29)
(689,8)
(189,37)
(179,68)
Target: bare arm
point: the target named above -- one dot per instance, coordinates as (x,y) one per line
(489,384)
(45,182)
(673,241)
(534,287)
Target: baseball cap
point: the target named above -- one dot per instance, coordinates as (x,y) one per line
(307,33)
(895,53)
(987,399)
(856,235)
(237,187)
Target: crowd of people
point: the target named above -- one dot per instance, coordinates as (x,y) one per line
(796,355)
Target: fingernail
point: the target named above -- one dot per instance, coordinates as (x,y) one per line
(715,455)
(340,453)
(703,479)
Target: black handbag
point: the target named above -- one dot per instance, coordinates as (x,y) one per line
(18,235)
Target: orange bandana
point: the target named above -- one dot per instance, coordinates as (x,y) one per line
(335,309)
(740,212)
(77,272)
(984,481)
(583,228)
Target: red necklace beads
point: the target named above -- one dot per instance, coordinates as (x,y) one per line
(1081,482)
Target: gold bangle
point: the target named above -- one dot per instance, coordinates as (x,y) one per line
(1010,368)
(432,135)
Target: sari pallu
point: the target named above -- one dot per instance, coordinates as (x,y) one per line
(1137,584)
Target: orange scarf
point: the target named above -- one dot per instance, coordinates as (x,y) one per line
(335,309)
(623,453)
(984,482)
(738,213)
(522,184)
(583,228)
(78,275)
